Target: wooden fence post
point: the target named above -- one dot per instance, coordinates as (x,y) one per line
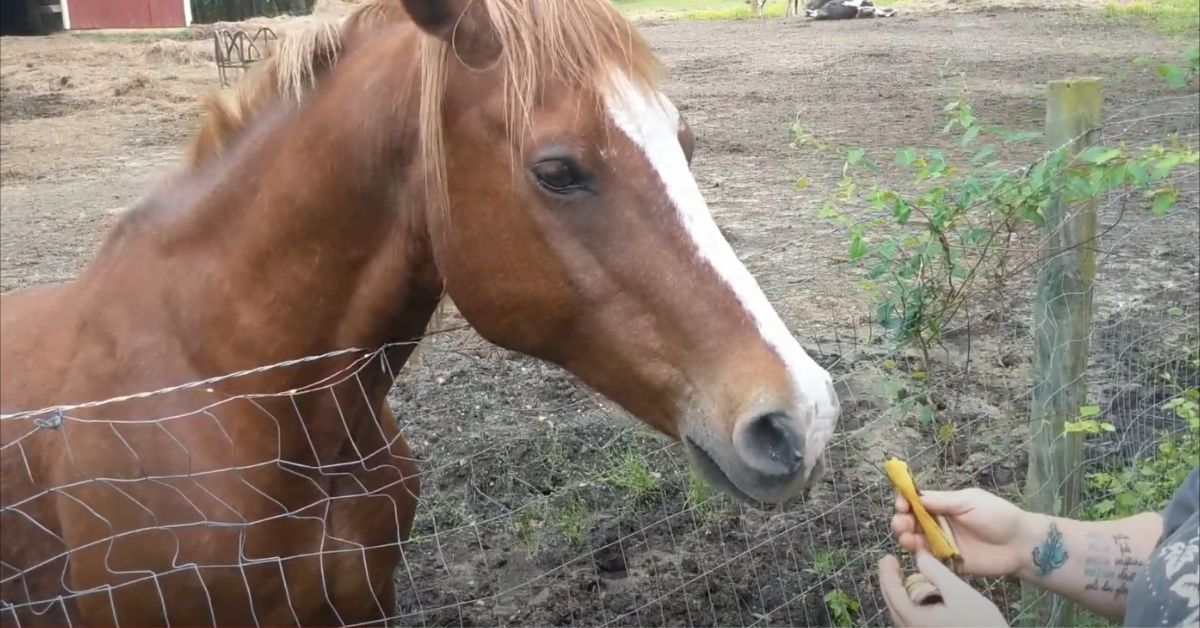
(1062,320)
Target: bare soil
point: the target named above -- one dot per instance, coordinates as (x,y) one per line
(545,504)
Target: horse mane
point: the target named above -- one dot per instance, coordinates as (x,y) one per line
(583,43)
(301,56)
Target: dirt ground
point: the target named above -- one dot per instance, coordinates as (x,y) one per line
(545,504)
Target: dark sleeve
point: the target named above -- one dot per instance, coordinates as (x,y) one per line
(1184,504)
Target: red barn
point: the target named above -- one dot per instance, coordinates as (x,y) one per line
(88,14)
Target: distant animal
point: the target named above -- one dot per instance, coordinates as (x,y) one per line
(845,10)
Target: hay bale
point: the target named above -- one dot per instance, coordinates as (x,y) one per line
(179,52)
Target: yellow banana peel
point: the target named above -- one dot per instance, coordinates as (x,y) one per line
(937,531)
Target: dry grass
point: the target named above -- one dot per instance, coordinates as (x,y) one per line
(179,52)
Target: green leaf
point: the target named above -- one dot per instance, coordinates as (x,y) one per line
(1089,411)
(1165,166)
(1164,200)
(906,157)
(1139,174)
(984,154)
(1099,155)
(925,415)
(970,135)
(828,211)
(1012,137)
(1114,177)
(950,106)
(801,183)
(854,156)
(1174,75)
(858,248)
(965,118)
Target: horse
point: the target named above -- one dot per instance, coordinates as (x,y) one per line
(845,10)
(195,430)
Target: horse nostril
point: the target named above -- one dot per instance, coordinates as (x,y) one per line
(774,444)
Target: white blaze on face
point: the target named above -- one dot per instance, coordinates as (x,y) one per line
(652,122)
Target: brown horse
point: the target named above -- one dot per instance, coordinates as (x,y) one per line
(513,155)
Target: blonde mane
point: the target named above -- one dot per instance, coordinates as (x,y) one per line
(583,43)
(284,76)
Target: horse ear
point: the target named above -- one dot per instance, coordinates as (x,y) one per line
(462,23)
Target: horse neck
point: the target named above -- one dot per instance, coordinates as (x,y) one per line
(308,236)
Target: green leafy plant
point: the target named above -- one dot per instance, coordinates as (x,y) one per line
(930,246)
(843,609)
(1089,423)
(1148,484)
(925,253)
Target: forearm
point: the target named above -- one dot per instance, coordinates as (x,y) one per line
(1090,563)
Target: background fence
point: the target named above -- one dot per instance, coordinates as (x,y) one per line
(543,504)
(209,11)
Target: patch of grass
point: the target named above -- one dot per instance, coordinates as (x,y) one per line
(1175,17)
(139,36)
(707,9)
(698,494)
(570,522)
(442,515)
(631,474)
(1088,619)
(826,561)
(527,531)
(694,9)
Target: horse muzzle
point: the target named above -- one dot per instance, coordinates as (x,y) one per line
(770,457)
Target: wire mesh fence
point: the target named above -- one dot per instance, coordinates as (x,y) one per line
(542,504)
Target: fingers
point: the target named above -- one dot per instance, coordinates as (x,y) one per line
(914,542)
(902,504)
(894,593)
(948,502)
(903,524)
(909,537)
(938,574)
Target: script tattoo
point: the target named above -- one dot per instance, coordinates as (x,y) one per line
(1051,554)
(1108,571)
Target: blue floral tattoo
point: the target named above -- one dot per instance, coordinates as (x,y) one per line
(1051,554)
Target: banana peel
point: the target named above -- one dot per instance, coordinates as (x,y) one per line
(936,529)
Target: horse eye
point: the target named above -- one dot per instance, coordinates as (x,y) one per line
(558,176)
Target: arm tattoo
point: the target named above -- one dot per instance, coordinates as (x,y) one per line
(1051,554)
(1108,571)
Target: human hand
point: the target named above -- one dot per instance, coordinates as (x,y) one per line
(961,607)
(986,529)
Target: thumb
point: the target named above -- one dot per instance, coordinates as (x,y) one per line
(946,502)
(938,574)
